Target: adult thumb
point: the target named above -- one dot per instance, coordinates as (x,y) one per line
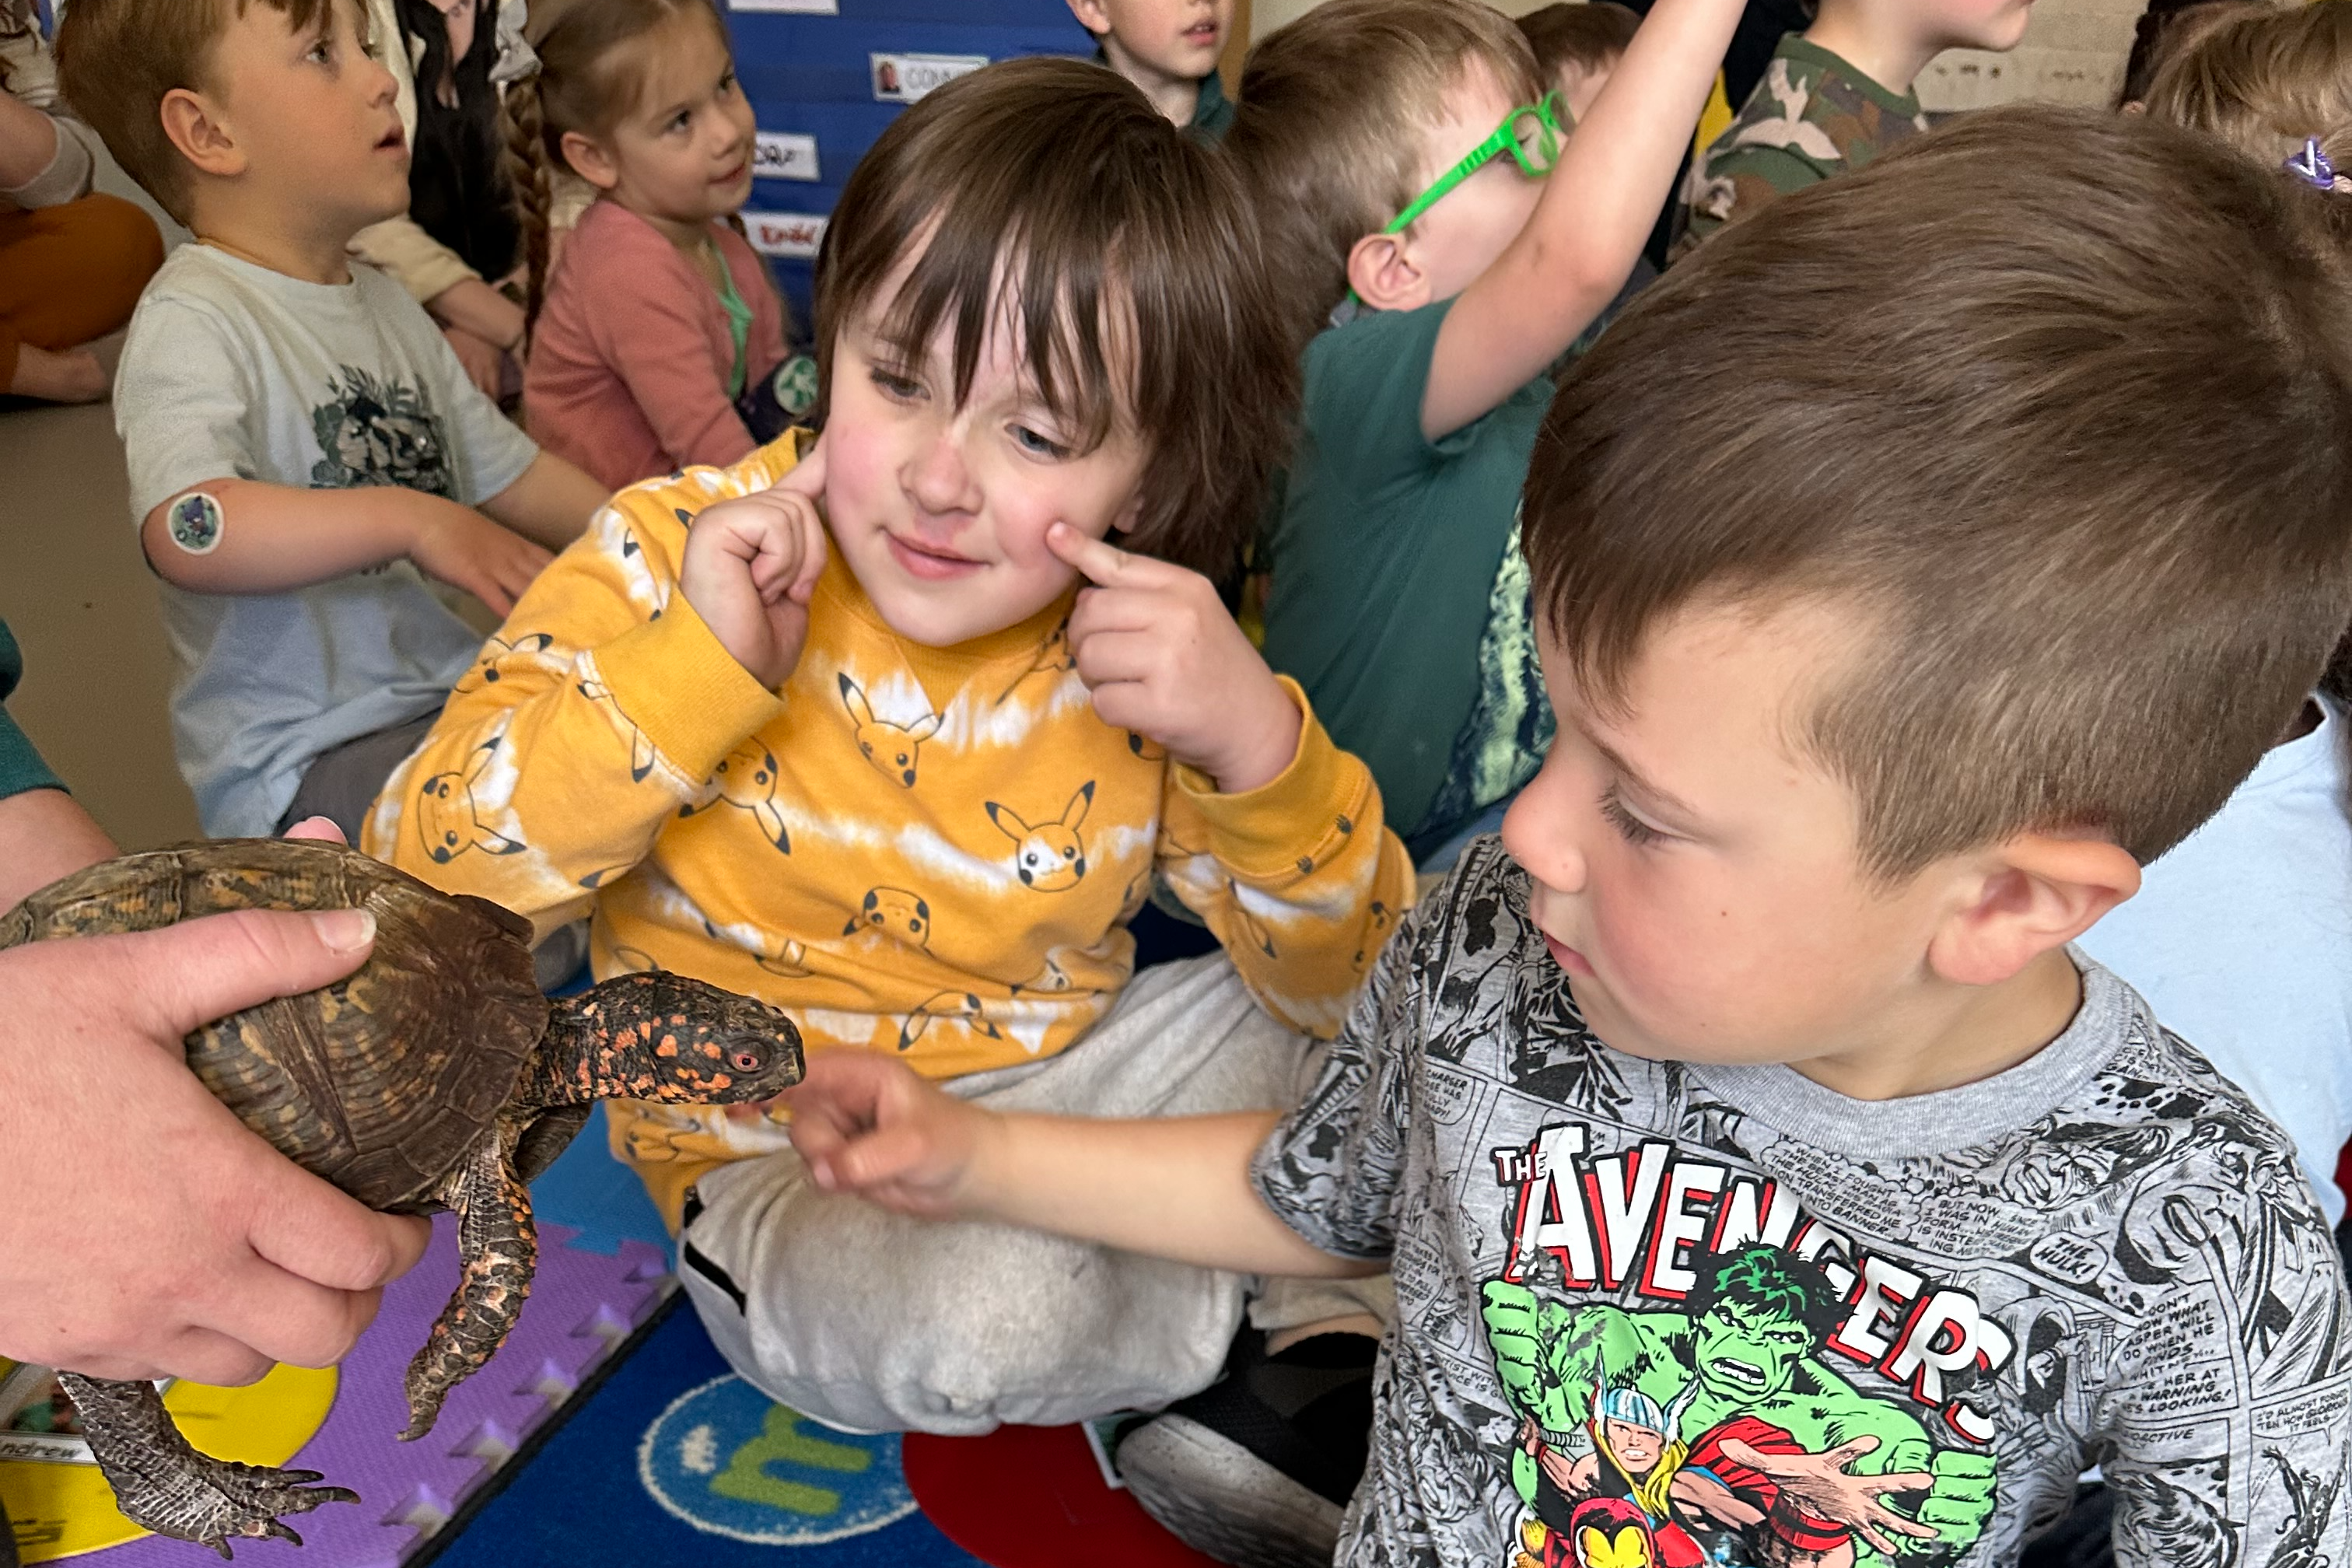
(184,976)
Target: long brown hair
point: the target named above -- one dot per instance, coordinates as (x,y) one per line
(584,85)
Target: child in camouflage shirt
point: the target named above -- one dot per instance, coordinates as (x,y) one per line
(1833,97)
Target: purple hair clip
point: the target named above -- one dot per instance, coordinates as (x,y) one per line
(2312,164)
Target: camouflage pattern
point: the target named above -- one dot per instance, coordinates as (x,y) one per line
(1810,118)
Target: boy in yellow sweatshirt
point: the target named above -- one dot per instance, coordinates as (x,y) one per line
(883,730)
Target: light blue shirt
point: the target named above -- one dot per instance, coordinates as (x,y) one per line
(232,370)
(2240,938)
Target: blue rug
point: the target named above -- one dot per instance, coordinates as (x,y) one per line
(675,1459)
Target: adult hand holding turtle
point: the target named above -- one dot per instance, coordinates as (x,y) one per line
(146,1232)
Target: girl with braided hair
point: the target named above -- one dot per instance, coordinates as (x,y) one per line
(653,336)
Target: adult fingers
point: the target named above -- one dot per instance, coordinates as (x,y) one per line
(320,1234)
(171,981)
(282,1315)
(200,1355)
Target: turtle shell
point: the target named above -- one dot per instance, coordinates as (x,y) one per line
(379,1082)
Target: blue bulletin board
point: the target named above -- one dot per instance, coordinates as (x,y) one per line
(826,76)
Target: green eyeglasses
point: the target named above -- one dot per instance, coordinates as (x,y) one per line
(1529,134)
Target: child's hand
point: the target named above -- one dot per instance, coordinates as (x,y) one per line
(751,564)
(466,550)
(872,1126)
(1164,659)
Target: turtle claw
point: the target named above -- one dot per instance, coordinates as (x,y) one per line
(222,1502)
(162,1484)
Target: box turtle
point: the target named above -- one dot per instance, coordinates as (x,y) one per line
(435,1077)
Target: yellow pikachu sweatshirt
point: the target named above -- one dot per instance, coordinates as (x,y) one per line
(929,852)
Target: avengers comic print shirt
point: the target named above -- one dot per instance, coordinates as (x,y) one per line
(1655,1315)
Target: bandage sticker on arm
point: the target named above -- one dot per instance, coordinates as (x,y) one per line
(195,521)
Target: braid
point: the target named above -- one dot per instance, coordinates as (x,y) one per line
(527,172)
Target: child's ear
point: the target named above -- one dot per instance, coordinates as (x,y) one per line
(589,161)
(1129,515)
(1385,273)
(1091,15)
(196,128)
(2038,891)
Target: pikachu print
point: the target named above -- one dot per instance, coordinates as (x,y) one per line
(892,912)
(448,819)
(892,748)
(1056,658)
(495,652)
(640,751)
(961,1006)
(1049,858)
(746,778)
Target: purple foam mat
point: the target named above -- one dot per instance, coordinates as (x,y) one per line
(582,1306)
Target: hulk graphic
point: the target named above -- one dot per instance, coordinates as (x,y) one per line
(1772,1454)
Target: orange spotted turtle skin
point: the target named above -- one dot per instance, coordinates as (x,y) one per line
(434,1076)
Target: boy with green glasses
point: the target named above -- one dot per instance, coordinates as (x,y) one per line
(1423,194)
(1444,242)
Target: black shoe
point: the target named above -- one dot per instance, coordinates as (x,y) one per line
(1256,1468)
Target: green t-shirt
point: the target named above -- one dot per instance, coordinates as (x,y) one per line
(21,767)
(1813,116)
(1398,598)
(1212,113)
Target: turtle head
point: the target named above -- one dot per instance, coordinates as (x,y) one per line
(662,1036)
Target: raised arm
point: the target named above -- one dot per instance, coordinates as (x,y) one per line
(1599,205)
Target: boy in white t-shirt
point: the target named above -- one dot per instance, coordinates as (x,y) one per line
(305,448)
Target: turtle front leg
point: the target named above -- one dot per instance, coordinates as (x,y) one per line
(498,1248)
(162,1484)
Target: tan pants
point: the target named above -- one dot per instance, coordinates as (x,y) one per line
(877,1323)
(71,273)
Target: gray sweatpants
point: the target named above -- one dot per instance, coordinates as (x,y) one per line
(877,1323)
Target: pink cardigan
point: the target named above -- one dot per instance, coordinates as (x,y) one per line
(628,371)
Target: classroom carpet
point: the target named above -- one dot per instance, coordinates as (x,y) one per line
(667,1456)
